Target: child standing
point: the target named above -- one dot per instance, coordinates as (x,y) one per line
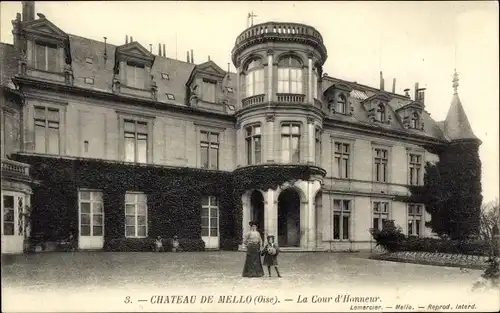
(175,244)
(158,244)
(270,253)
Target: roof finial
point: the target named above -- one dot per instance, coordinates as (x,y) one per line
(250,18)
(455,82)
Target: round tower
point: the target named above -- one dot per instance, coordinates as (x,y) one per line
(279,127)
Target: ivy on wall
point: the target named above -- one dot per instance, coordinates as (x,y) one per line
(174,196)
(452,191)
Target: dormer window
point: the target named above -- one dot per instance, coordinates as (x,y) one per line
(46,57)
(381,113)
(341,104)
(135,75)
(254,78)
(290,75)
(208,91)
(414,122)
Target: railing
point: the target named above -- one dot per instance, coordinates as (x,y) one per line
(252,100)
(290,98)
(18,168)
(279,28)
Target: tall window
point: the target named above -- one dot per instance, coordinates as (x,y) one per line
(253,140)
(91,213)
(209,217)
(317,146)
(8,215)
(136,141)
(381,160)
(415,169)
(381,113)
(46,56)
(342,154)
(290,142)
(341,219)
(341,104)
(209,146)
(315,83)
(136,74)
(380,214)
(254,79)
(415,220)
(290,75)
(136,215)
(46,130)
(208,92)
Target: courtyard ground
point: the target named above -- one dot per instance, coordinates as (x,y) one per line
(102,281)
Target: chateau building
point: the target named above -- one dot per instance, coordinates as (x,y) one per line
(111,143)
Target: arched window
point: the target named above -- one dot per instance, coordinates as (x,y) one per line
(381,114)
(341,104)
(414,120)
(254,78)
(290,75)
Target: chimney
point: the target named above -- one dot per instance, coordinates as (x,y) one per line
(164,51)
(381,81)
(394,85)
(28,10)
(416,91)
(151,48)
(209,58)
(407,93)
(192,57)
(159,49)
(421,96)
(131,39)
(126,39)
(188,56)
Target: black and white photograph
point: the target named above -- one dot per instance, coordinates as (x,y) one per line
(250,156)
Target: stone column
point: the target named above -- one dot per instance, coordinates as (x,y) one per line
(269,138)
(311,139)
(245,201)
(238,89)
(123,75)
(239,146)
(270,75)
(271,214)
(309,79)
(29,127)
(30,52)
(313,187)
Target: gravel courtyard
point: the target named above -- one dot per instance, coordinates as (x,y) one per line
(83,281)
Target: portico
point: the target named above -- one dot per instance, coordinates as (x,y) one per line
(288,213)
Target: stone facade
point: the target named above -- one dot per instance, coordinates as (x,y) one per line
(368,141)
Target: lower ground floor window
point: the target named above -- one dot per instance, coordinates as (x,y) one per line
(13,214)
(341,219)
(136,213)
(210,217)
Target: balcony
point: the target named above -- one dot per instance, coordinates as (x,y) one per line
(276,32)
(15,170)
(257,99)
(290,98)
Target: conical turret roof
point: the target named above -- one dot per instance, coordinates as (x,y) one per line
(456,125)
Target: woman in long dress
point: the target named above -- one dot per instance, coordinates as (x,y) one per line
(253,242)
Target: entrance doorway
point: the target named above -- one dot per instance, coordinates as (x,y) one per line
(289,218)
(257,210)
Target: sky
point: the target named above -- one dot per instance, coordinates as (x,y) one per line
(410,41)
